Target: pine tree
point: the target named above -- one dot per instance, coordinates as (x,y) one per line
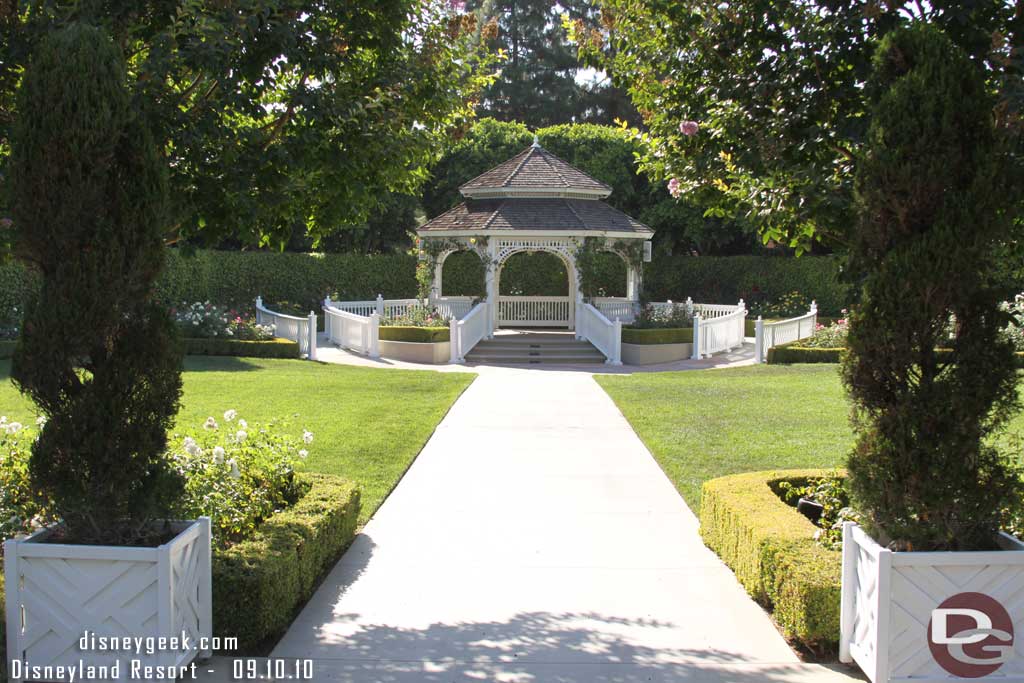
(101,362)
(935,192)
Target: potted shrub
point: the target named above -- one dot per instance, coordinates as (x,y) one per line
(931,590)
(102,363)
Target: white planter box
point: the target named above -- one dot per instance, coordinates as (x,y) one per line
(889,601)
(56,593)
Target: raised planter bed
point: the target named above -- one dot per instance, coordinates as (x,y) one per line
(658,345)
(429,345)
(58,592)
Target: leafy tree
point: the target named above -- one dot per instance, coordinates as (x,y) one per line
(101,362)
(777,92)
(935,190)
(274,113)
(541,83)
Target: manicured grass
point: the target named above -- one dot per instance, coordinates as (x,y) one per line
(705,424)
(368,424)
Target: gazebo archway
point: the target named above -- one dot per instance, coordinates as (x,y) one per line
(537,310)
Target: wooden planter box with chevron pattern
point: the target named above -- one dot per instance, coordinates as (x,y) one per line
(932,617)
(57,593)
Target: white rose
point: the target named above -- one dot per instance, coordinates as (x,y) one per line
(303,453)
(307,437)
(243,424)
(240,435)
(210,424)
(235,473)
(230,415)
(218,455)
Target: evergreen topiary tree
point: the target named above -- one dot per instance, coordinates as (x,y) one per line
(100,361)
(928,373)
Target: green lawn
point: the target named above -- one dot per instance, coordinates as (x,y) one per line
(705,424)
(368,424)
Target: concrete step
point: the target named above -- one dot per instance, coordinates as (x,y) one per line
(534,349)
(508,359)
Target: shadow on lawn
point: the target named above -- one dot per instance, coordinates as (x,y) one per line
(219,364)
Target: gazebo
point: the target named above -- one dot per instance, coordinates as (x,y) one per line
(537,202)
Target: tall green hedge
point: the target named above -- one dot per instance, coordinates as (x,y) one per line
(235,278)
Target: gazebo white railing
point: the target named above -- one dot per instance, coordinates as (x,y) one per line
(771,334)
(718,328)
(360,333)
(604,334)
(296,328)
(469,331)
(535,311)
(613,307)
(453,307)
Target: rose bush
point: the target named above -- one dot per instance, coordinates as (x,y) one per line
(829,337)
(205,320)
(676,315)
(418,316)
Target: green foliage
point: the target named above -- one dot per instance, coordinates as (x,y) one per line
(829,492)
(22,508)
(258,584)
(7,348)
(420,335)
(771,549)
(935,194)
(236,473)
(1014,330)
(418,316)
(778,90)
(795,353)
(657,336)
(270,348)
(256,103)
(675,316)
(789,305)
(100,361)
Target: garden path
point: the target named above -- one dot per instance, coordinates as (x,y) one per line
(536,539)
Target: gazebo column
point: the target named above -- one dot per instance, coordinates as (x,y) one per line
(490,280)
(435,287)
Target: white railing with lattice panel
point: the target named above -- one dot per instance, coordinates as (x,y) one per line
(454,307)
(385,308)
(721,333)
(296,328)
(617,307)
(889,602)
(534,311)
(352,331)
(768,335)
(604,334)
(58,592)
(466,333)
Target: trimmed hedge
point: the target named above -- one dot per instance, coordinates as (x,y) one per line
(771,549)
(668,335)
(422,335)
(7,348)
(235,278)
(794,353)
(260,583)
(270,348)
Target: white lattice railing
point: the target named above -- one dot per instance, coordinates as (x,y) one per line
(469,331)
(352,331)
(296,328)
(768,335)
(613,307)
(534,311)
(454,307)
(451,307)
(723,332)
(604,334)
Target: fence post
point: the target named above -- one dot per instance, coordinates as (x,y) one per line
(380,305)
(373,347)
(453,340)
(259,313)
(759,340)
(312,335)
(696,338)
(617,343)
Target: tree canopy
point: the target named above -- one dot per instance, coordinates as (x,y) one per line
(276,116)
(759,106)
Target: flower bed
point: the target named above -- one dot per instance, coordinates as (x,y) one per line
(203,320)
(416,335)
(276,531)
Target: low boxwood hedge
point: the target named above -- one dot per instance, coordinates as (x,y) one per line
(771,548)
(7,348)
(270,348)
(667,335)
(259,584)
(794,353)
(422,335)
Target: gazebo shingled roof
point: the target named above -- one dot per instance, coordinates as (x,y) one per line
(535,168)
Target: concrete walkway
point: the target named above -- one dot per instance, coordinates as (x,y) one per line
(536,540)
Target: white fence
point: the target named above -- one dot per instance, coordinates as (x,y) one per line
(769,335)
(613,307)
(534,311)
(452,307)
(604,334)
(296,328)
(717,328)
(469,331)
(351,330)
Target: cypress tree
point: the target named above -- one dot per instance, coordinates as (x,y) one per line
(930,376)
(99,359)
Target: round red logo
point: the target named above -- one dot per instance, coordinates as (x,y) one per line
(970,635)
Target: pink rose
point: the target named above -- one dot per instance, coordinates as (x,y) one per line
(674,189)
(688,128)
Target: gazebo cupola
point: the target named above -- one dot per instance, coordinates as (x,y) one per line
(534,202)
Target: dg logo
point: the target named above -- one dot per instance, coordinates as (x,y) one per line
(970,635)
